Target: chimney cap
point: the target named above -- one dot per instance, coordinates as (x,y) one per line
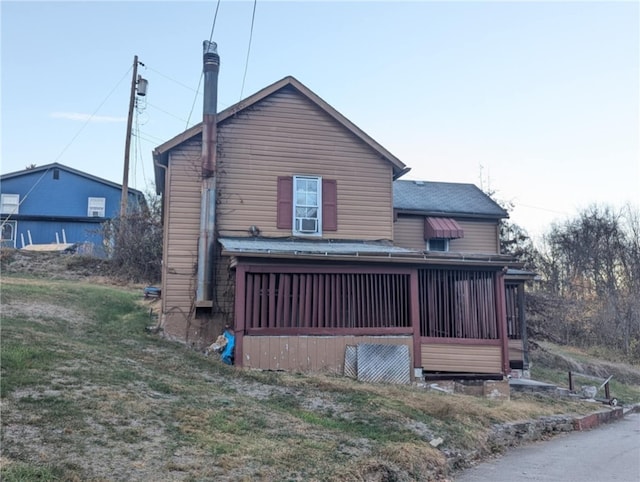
(210,47)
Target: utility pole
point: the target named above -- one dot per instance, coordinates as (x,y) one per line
(140,85)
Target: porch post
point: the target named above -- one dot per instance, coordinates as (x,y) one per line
(414,300)
(239,312)
(501,312)
(523,327)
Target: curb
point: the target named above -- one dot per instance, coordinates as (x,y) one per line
(595,419)
(632,409)
(600,417)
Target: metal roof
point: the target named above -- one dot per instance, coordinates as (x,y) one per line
(443,228)
(521,274)
(446,198)
(308,246)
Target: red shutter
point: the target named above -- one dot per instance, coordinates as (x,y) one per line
(329,205)
(285,202)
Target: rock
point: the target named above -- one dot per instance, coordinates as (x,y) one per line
(436,441)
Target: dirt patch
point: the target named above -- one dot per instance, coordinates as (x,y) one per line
(42,311)
(52,265)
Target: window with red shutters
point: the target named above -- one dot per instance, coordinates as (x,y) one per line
(329,205)
(286,204)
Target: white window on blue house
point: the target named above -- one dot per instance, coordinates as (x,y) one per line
(307,205)
(9,203)
(8,234)
(96,207)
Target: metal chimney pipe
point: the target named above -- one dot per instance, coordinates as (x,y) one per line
(211,67)
(206,242)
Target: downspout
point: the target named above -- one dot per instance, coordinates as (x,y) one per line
(206,242)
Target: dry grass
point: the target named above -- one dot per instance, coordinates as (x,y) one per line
(87,394)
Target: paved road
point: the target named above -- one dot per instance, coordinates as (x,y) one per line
(608,453)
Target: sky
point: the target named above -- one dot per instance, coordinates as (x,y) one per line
(536,101)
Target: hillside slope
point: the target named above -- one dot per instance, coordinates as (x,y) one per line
(88,394)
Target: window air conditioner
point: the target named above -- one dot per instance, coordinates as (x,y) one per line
(308,225)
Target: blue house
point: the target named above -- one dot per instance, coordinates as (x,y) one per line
(54,204)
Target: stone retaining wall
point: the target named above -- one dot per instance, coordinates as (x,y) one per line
(504,436)
(512,434)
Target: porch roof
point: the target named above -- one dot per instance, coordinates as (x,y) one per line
(309,246)
(356,251)
(514,274)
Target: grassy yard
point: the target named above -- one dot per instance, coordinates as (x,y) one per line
(88,394)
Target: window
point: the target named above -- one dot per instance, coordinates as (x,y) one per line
(56,174)
(307,205)
(9,203)
(438,244)
(96,207)
(8,234)
(307,209)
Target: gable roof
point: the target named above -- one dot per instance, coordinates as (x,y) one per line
(62,167)
(160,153)
(444,198)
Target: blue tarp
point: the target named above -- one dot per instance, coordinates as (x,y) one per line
(227,353)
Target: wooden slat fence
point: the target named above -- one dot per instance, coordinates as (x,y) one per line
(457,303)
(326,300)
(513,312)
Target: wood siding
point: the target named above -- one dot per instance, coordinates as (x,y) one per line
(452,358)
(480,237)
(285,135)
(516,351)
(408,232)
(307,353)
(181,232)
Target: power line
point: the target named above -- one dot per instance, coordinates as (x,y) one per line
(24,198)
(173,80)
(540,208)
(194,102)
(139,153)
(215,16)
(165,112)
(246,65)
(92,115)
(213,26)
(149,138)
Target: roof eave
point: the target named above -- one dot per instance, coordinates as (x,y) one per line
(419,212)
(494,263)
(399,168)
(57,165)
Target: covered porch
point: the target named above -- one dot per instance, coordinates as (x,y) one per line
(299,311)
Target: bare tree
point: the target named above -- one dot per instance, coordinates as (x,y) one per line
(591,264)
(135,250)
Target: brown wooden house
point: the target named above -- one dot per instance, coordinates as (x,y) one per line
(284,220)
